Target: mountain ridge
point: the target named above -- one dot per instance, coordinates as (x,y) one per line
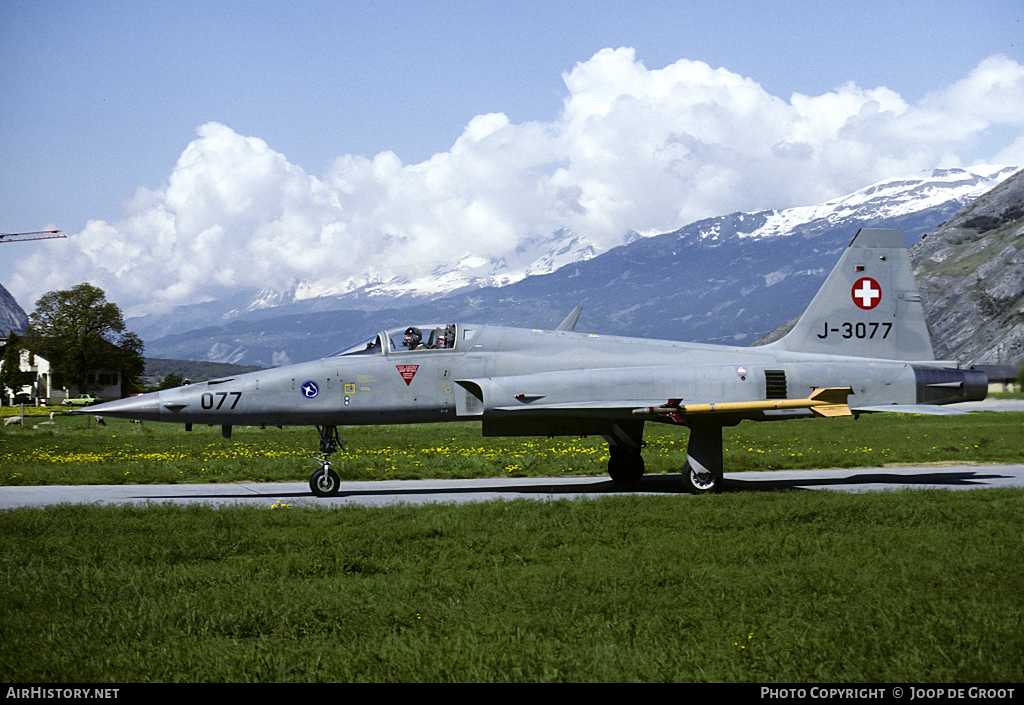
(970,272)
(725,279)
(12,316)
(897,201)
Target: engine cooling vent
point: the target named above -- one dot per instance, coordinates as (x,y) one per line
(775,384)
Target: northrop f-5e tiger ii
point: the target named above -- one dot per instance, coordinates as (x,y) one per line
(861,346)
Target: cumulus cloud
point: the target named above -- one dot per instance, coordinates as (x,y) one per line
(633,148)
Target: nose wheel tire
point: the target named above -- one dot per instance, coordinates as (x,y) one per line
(324,482)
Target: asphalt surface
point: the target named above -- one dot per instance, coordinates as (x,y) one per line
(960,477)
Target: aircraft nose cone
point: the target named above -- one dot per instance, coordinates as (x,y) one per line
(143,408)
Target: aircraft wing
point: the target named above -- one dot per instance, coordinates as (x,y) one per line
(653,407)
(911,409)
(580,408)
(823,402)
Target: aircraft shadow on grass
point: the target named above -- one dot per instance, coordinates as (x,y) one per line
(652,484)
(931,479)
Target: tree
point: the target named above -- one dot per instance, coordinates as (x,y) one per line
(82,332)
(171,380)
(10,368)
(133,364)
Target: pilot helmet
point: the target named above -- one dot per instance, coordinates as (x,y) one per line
(412,337)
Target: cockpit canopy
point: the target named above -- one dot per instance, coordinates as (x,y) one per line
(404,339)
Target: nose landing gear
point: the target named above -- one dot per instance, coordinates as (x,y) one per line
(325,482)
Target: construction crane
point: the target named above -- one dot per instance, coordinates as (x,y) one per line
(39,235)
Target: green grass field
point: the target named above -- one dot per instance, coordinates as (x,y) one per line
(800,586)
(804,587)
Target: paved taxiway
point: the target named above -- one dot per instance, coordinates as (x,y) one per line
(378,493)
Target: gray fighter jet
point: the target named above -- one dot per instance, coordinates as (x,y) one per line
(861,346)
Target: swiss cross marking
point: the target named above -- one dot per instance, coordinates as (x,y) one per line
(866,293)
(407,372)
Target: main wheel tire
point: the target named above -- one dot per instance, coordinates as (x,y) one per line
(701,482)
(626,467)
(324,482)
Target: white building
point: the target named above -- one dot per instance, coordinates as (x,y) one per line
(42,387)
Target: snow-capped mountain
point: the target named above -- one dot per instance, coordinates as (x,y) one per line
(891,199)
(728,279)
(372,289)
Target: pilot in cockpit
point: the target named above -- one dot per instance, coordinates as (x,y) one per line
(413,337)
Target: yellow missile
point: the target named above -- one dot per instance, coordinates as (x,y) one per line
(830,401)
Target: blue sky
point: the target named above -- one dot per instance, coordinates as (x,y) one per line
(367,115)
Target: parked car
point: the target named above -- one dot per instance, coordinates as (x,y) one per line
(80,400)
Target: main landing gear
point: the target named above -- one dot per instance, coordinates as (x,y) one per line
(625,463)
(702,473)
(701,481)
(325,482)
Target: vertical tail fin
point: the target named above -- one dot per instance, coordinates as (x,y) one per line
(570,321)
(868,307)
